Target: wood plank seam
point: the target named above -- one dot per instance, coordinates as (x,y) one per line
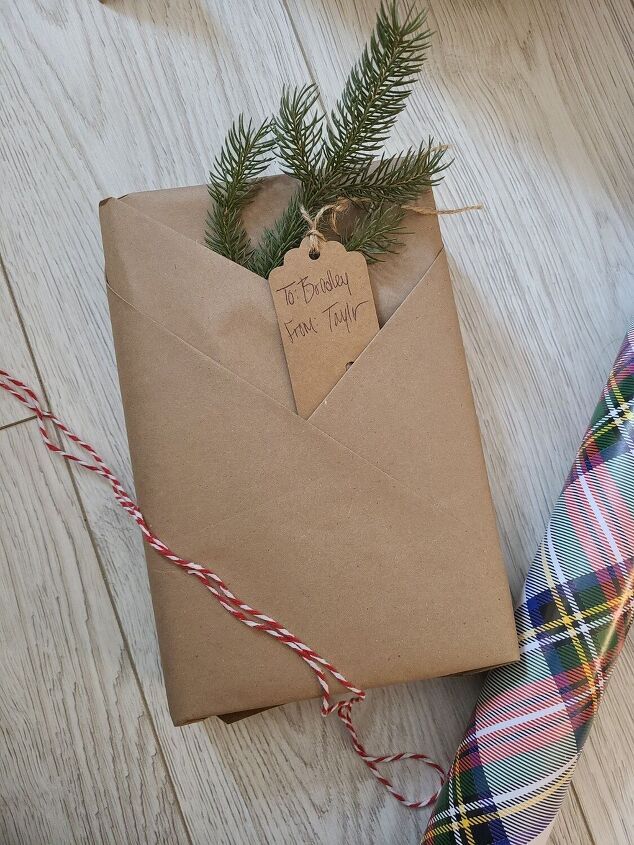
(313,77)
(16,422)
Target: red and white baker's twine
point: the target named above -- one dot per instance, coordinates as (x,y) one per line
(246,614)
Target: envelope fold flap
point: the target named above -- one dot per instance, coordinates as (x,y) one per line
(184,211)
(328,544)
(406,405)
(217,306)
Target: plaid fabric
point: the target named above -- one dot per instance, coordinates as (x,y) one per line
(514,764)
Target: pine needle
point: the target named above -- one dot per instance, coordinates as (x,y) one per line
(377,232)
(376,90)
(287,233)
(299,135)
(400,178)
(245,154)
(334,161)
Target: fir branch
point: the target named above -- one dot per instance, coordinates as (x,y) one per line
(377,88)
(299,134)
(338,162)
(245,154)
(401,178)
(376,232)
(285,234)
(342,163)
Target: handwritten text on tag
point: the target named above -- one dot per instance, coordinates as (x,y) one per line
(326,315)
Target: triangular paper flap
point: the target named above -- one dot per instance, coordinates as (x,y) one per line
(214,304)
(226,312)
(185,210)
(406,406)
(217,306)
(365,571)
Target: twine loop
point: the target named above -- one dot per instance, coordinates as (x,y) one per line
(314,235)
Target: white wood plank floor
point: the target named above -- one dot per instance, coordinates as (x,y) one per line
(535,98)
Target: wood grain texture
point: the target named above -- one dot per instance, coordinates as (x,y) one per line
(604,782)
(137,94)
(570,826)
(14,355)
(78,757)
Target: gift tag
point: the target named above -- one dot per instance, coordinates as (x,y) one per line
(326,315)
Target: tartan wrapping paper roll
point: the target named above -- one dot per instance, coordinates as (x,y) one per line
(516,760)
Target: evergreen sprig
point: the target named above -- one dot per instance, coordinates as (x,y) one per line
(299,135)
(377,232)
(245,154)
(340,159)
(399,178)
(287,233)
(377,88)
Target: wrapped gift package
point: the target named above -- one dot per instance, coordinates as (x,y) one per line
(367,529)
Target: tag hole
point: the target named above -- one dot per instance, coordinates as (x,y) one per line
(314,254)
(349,364)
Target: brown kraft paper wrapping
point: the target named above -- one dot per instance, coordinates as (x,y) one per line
(368,529)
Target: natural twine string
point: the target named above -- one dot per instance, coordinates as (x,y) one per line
(255,619)
(314,234)
(343,204)
(433,212)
